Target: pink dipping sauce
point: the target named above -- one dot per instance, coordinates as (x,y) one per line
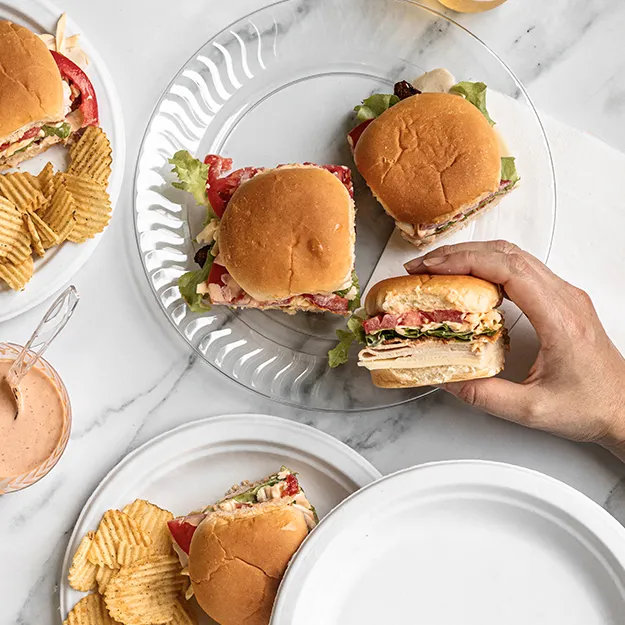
(29,440)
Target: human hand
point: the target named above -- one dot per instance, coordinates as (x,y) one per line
(576,386)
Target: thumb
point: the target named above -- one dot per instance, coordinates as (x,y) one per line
(502,398)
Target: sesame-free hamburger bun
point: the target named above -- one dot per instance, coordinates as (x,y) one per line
(237,560)
(429,157)
(289,231)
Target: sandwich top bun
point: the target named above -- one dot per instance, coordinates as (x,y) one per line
(429,157)
(424,292)
(289,231)
(31,88)
(236,560)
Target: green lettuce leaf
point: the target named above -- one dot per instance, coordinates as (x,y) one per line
(339,355)
(442,332)
(354,304)
(474,92)
(375,105)
(508,169)
(187,285)
(63,131)
(192,174)
(354,324)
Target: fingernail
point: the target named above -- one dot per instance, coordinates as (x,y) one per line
(414,264)
(432,262)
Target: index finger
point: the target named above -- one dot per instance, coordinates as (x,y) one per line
(531,290)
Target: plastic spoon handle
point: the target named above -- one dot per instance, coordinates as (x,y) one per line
(48,329)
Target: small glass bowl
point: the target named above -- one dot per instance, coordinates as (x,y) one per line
(18,482)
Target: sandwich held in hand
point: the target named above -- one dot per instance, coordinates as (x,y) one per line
(430,155)
(422,330)
(279,238)
(238,549)
(45,98)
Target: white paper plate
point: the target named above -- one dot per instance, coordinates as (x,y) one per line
(460,543)
(193,465)
(60,264)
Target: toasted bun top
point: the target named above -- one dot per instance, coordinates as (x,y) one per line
(289,231)
(424,292)
(428,157)
(237,560)
(31,89)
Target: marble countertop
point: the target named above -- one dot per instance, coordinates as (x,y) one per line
(131,377)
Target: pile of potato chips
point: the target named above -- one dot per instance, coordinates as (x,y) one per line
(130,564)
(39,212)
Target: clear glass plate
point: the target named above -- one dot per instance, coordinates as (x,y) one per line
(279,86)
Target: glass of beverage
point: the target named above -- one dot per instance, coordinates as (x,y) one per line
(471,6)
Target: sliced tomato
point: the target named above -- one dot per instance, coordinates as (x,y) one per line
(183,528)
(292,486)
(344,174)
(29,134)
(355,134)
(76,77)
(216,273)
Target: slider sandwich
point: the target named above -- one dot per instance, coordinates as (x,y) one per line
(430,155)
(280,238)
(237,550)
(422,330)
(45,98)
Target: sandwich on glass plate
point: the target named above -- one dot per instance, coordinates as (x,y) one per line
(237,550)
(430,155)
(45,98)
(279,238)
(422,330)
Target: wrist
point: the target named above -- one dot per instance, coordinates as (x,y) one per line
(615,439)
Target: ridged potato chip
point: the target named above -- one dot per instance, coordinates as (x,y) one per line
(90,610)
(153,521)
(115,527)
(127,554)
(93,207)
(103,576)
(35,239)
(14,239)
(47,236)
(90,156)
(59,214)
(47,179)
(19,189)
(82,573)
(183,615)
(17,276)
(146,591)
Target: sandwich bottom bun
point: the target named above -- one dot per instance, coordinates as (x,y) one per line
(412,377)
(237,560)
(460,225)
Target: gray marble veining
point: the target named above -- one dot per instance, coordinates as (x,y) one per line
(130,377)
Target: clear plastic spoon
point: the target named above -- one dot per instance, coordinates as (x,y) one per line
(48,329)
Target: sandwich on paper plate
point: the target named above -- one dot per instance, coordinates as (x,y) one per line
(47,99)
(141,566)
(422,330)
(430,155)
(280,238)
(237,550)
